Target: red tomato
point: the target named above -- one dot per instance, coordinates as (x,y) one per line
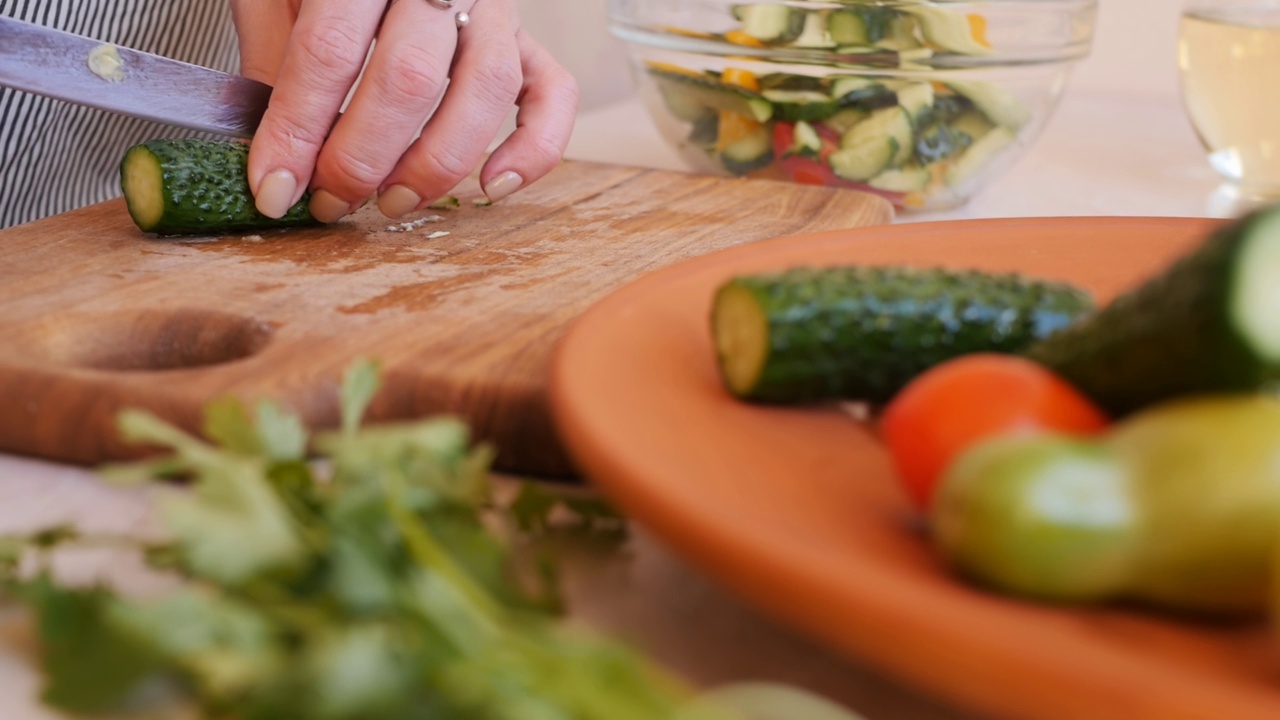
(784,134)
(958,403)
(816,171)
(808,171)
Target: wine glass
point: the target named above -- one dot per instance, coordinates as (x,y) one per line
(1229,58)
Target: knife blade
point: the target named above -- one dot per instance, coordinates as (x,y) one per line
(49,62)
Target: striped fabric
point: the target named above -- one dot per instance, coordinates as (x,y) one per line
(56,156)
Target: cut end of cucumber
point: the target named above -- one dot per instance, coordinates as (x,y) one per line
(741,331)
(142,181)
(1255,303)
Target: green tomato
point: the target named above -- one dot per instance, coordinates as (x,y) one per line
(1045,516)
(1206,473)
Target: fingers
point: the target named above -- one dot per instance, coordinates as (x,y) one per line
(421,62)
(403,83)
(548,104)
(259,27)
(327,48)
(486,80)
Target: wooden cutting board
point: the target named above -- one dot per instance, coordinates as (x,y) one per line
(96,316)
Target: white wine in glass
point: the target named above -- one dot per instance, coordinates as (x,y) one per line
(1229,57)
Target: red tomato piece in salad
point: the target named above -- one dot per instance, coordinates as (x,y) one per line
(814,170)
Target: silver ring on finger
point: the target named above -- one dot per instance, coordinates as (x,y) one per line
(442,4)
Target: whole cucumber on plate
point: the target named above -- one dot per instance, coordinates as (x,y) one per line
(1208,323)
(809,334)
(196,187)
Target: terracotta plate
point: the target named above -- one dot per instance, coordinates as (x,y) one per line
(797,509)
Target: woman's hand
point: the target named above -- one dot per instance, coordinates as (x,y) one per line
(312,52)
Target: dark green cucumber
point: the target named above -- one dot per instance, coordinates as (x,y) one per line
(792,81)
(940,142)
(705,130)
(196,187)
(687,95)
(860,25)
(810,334)
(808,105)
(750,153)
(1209,323)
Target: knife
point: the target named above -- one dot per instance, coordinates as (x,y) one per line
(40,60)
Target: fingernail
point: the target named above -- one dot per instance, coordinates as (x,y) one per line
(275,193)
(398,200)
(503,185)
(327,207)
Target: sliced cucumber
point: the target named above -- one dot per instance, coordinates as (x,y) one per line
(861,93)
(814,35)
(752,152)
(801,104)
(845,119)
(844,84)
(196,187)
(940,142)
(859,25)
(907,179)
(881,141)
(705,130)
(971,123)
(688,95)
(917,100)
(902,34)
(1210,323)
(792,81)
(979,155)
(947,29)
(999,105)
(863,332)
(863,161)
(806,143)
(947,106)
(770,23)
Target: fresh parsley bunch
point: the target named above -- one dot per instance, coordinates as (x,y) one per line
(347,576)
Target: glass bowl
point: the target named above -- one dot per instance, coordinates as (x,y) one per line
(923,103)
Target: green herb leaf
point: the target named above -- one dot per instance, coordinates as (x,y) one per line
(233,525)
(224,645)
(370,583)
(91,665)
(538,510)
(227,423)
(281,433)
(448,202)
(359,384)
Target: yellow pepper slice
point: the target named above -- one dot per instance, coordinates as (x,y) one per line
(978,29)
(734,127)
(742,78)
(737,37)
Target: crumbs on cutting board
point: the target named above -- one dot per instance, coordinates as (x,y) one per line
(413,224)
(437,234)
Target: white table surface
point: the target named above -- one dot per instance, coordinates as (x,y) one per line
(1103,153)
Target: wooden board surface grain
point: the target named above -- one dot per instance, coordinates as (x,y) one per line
(96,316)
